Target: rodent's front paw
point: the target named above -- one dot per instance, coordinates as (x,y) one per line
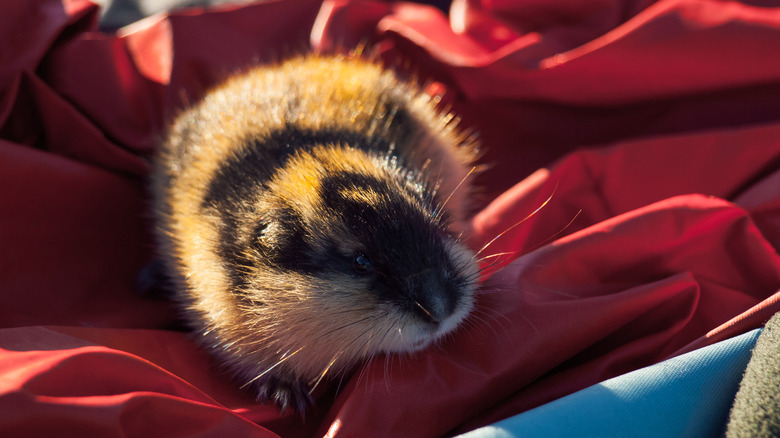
(285,393)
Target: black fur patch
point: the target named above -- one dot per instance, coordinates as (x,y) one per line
(403,243)
(231,253)
(289,249)
(237,181)
(240,177)
(256,163)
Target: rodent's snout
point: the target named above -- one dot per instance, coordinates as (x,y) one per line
(435,302)
(439,299)
(431,315)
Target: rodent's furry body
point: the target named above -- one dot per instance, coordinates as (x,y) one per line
(300,218)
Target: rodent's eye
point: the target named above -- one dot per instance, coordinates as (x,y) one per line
(362,264)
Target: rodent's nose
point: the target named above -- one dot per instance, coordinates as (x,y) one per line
(434,307)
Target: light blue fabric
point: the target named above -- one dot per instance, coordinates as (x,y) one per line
(686,396)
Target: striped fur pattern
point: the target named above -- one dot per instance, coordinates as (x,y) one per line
(300,211)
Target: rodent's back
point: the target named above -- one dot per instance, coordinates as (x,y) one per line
(312,95)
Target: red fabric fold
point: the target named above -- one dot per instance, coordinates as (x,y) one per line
(630,210)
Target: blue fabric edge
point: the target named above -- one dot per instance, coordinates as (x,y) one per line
(688,395)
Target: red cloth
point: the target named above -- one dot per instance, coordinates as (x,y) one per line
(654,126)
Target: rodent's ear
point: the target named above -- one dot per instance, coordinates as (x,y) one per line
(279,236)
(259,233)
(261,239)
(263,227)
(268,233)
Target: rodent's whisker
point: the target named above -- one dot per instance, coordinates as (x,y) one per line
(546,201)
(440,209)
(314,385)
(386,371)
(279,362)
(498,254)
(553,292)
(554,235)
(544,242)
(421,307)
(342,327)
(496,317)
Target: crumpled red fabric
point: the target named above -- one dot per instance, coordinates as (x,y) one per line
(630,210)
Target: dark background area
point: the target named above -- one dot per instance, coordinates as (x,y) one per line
(118,13)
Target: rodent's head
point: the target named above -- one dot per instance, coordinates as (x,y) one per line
(361,258)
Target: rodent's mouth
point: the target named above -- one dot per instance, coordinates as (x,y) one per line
(417,345)
(415,333)
(418,336)
(408,340)
(420,343)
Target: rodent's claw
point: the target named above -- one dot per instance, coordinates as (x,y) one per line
(285,394)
